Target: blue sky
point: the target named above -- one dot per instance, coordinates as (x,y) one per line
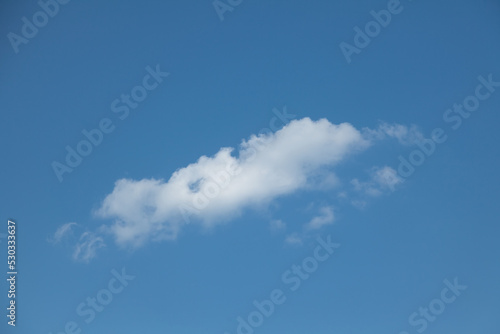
(317,140)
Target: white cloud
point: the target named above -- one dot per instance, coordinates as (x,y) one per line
(369,188)
(87,246)
(293,239)
(387,178)
(214,189)
(383,179)
(61,232)
(211,191)
(405,135)
(326,217)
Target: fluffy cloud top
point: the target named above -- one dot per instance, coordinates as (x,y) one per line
(299,156)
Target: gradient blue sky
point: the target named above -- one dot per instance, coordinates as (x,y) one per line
(225,79)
